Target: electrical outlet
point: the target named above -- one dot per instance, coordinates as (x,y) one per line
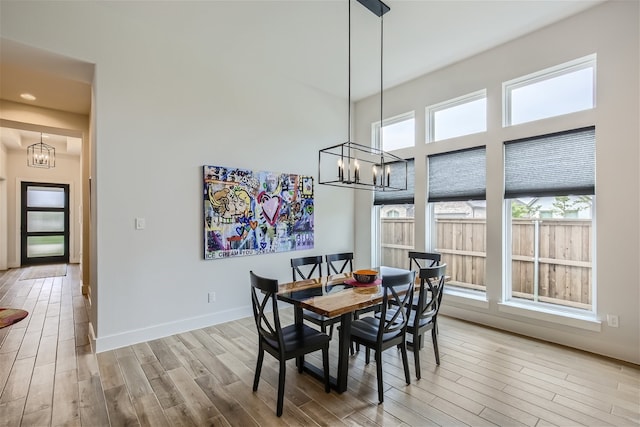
(211,297)
(612,320)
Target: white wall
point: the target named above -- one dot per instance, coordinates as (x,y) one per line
(166,103)
(610,31)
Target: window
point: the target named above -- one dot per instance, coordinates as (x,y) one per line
(457,206)
(396,234)
(560,90)
(458,117)
(394,209)
(396,224)
(397,132)
(392,212)
(549,199)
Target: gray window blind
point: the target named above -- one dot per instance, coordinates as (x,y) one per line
(458,175)
(398,197)
(558,164)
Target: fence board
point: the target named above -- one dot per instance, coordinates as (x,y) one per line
(564,259)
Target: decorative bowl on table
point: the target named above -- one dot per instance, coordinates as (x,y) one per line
(365,276)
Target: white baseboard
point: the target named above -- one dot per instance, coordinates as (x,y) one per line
(110,342)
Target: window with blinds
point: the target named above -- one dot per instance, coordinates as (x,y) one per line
(561,163)
(457,200)
(457,175)
(549,193)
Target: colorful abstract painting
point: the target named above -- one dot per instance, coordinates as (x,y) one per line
(254,212)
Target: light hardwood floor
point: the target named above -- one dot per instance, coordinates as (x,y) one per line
(49,376)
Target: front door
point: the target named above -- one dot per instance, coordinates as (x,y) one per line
(45,223)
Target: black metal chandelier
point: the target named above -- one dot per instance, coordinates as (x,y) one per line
(358,166)
(41,155)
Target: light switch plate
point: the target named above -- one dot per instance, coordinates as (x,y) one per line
(140,223)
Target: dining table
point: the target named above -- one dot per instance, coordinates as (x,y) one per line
(331,296)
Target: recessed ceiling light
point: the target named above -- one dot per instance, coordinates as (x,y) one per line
(27,96)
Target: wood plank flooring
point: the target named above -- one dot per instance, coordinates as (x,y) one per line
(50,377)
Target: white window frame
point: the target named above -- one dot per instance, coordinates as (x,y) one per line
(585,62)
(431,110)
(375,128)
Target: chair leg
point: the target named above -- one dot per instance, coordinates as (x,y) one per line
(367,355)
(416,355)
(331,331)
(325,367)
(405,362)
(420,342)
(355,317)
(434,338)
(256,378)
(281,379)
(379,374)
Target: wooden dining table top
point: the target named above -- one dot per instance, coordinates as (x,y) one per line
(330,295)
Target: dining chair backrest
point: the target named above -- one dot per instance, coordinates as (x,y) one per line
(339,263)
(431,290)
(397,292)
(306,267)
(263,299)
(418,260)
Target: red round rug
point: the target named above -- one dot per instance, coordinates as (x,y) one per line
(9,316)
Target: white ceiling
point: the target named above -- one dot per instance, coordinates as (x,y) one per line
(420,36)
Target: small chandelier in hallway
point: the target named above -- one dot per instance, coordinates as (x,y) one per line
(41,155)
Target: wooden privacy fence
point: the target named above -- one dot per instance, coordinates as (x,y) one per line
(551,258)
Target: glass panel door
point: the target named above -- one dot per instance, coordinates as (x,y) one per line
(45,223)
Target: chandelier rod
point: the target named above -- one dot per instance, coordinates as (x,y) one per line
(381,87)
(349,76)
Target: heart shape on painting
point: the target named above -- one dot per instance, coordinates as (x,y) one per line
(270,207)
(253,224)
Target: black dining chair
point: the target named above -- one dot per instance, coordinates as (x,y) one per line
(304,268)
(424,316)
(339,263)
(389,328)
(282,343)
(418,260)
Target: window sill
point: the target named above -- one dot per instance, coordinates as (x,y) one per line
(466,298)
(587,321)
